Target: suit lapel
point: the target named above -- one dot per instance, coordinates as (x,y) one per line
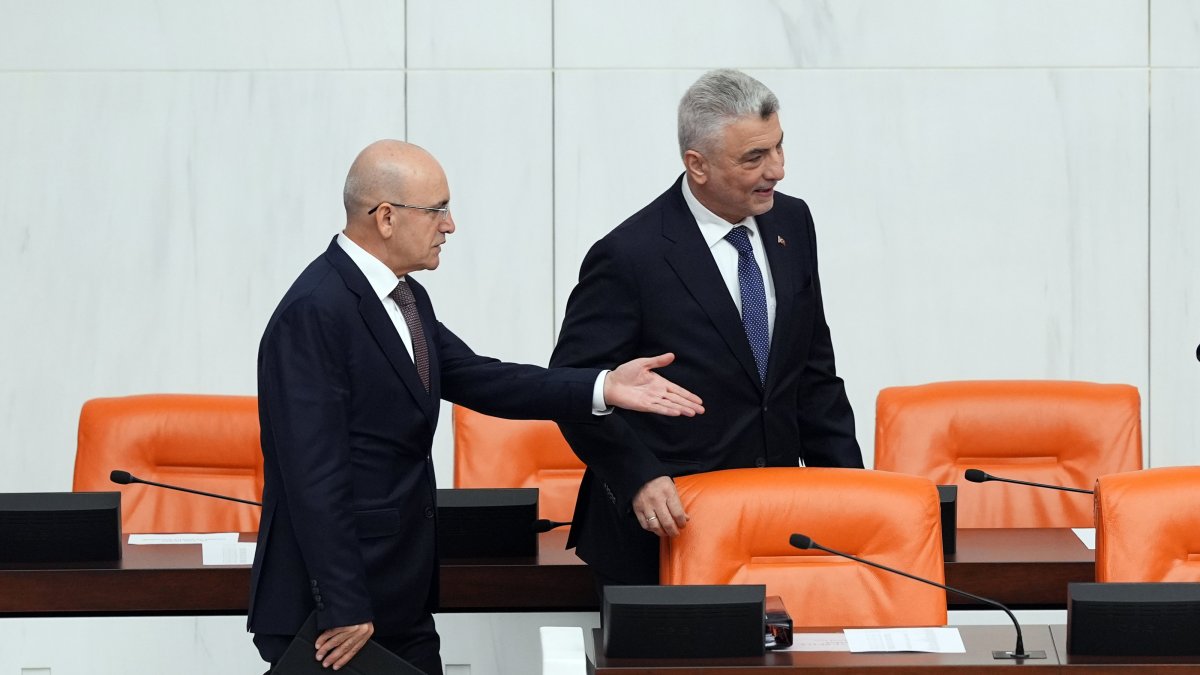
(380,325)
(693,263)
(783,278)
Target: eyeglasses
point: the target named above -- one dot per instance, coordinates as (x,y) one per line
(443,212)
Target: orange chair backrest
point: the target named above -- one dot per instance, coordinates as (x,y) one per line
(208,443)
(494,452)
(1045,431)
(741,521)
(1148,525)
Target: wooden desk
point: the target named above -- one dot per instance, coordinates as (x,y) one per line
(979,641)
(1024,568)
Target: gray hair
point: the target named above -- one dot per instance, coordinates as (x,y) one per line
(716,99)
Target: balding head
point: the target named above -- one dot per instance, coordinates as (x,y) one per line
(381,172)
(384,176)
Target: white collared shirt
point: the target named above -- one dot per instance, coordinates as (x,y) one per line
(714,228)
(383,281)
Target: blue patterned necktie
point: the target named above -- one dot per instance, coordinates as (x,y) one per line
(754,299)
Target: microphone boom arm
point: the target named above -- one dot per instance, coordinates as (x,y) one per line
(127,479)
(1018,653)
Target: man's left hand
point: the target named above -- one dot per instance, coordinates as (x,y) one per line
(336,646)
(635,386)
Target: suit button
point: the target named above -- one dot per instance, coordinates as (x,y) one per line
(320,605)
(314,582)
(317,598)
(428,511)
(764,408)
(760,462)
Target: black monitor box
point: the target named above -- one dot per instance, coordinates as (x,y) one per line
(684,621)
(487,522)
(948,499)
(1133,619)
(60,527)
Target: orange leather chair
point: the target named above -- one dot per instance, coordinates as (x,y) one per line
(1148,525)
(741,520)
(494,452)
(1061,433)
(208,443)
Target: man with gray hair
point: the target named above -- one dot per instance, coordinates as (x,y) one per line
(723,270)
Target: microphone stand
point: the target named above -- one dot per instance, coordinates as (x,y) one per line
(125,478)
(802,542)
(974,477)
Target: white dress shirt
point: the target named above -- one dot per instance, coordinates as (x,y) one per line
(714,228)
(383,281)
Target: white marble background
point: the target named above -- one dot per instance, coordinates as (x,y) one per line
(1002,189)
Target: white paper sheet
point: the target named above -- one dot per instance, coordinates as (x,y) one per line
(182,538)
(228,552)
(1087,535)
(817,642)
(935,640)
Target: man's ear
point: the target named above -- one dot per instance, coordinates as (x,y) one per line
(696,166)
(383,221)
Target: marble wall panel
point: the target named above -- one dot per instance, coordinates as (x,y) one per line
(1175,33)
(479,34)
(976,225)
(850,34)
(1174,268)
(194,35)
(155,220)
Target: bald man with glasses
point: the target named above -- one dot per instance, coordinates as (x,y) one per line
(351,369)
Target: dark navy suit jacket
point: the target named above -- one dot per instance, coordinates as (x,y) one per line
(348,522)
(652,286)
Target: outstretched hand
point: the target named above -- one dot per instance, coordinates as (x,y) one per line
(634,385)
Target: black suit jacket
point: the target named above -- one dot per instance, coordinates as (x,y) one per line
(348,522)
(652,286)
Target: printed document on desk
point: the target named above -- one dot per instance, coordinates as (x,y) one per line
(182,537)
(228,552)
(1087,535)
(934,640)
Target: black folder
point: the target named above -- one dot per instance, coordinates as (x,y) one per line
(372,659)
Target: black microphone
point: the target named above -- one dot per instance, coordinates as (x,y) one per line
(803,542)
(126,478)
(543,525)
(977,476)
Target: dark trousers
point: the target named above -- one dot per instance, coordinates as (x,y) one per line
(419,645)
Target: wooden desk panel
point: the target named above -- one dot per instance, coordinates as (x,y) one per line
(978,640)
(1022,568)
(1025,568)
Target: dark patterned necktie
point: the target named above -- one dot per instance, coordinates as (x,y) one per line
(754,299)
(403,296)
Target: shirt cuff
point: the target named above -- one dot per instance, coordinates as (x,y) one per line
(599,406)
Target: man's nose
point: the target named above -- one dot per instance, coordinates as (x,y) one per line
(774,166)
(448,223)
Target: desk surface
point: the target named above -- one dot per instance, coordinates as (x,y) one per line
(978,640)
(1023,568)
